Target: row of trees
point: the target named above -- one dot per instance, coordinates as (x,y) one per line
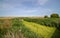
(52,16)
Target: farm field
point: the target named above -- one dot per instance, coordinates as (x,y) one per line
(22,27)
(43,31)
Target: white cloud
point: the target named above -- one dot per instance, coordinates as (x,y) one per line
(20,3)
(11,6)
(42,2)
(27,11)
(30,11)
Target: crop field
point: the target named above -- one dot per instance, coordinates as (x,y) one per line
(25,27)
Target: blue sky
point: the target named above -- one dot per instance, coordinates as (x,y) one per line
(29,7)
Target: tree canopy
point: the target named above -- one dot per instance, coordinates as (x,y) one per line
(54,16)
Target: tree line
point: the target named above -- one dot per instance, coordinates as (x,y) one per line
(54,15)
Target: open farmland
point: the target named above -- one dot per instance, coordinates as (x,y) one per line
(23,27)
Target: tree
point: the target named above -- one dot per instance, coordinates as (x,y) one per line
(54,16)
(46,16)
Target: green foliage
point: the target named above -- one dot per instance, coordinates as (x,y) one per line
(46,16)
(15,22)
(51,22)
(18,26)
(54,16)
(27,33)
(3,32)
(17,29)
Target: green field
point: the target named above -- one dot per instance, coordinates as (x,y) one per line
(41,30)
(30,27)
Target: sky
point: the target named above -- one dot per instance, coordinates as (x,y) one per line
(29,7)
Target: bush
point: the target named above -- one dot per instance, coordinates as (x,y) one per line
(45,16)
(54,16)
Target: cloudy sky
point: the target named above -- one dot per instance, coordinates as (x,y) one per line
(29,7)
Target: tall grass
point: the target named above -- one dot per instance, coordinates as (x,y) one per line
(14,28)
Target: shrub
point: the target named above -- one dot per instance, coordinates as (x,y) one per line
(45,16)
(54,16)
